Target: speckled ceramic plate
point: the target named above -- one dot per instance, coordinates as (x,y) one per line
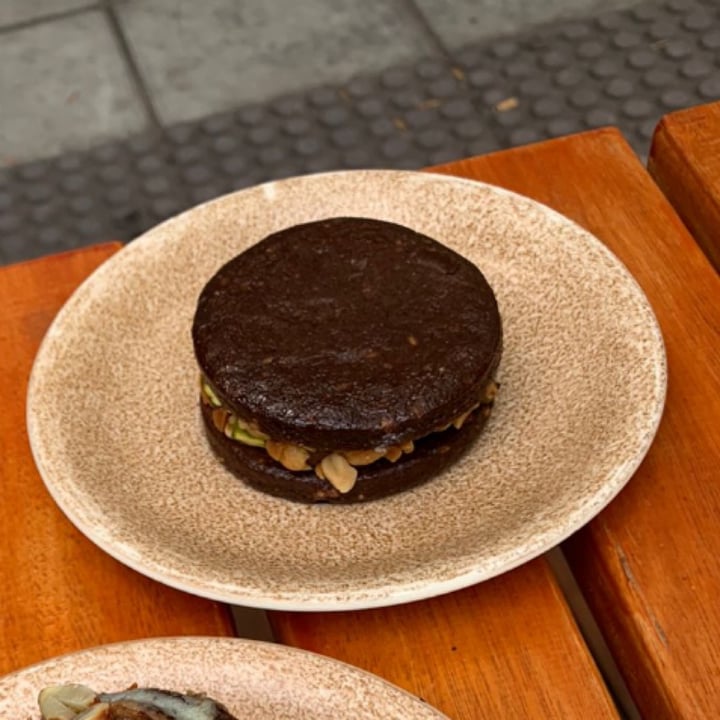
(252,679)
(116,433)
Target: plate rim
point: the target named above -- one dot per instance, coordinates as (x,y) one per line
(396,594)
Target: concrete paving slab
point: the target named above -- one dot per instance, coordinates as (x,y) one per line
(200,58)
(63,85)
(18,11)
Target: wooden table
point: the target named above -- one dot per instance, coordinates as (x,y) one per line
(685,163)
(510,647)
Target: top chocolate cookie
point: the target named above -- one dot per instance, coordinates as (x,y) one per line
(348,333)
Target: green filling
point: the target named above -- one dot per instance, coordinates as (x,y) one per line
(234,427)
(245,436)
(210,395)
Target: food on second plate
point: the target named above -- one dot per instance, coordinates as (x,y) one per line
(345,359)
(79,702)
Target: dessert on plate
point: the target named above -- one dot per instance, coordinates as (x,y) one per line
(345,359)
(79,702)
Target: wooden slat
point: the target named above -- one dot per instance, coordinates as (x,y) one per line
(505,649)
(59,592)
(649,563)
(685,162)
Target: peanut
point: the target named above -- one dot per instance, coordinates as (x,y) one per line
(338,472)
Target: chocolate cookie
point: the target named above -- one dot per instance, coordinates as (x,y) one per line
(340,352)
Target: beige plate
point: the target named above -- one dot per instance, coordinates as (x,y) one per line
(252,679)
(115,428)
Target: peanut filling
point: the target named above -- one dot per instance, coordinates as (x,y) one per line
(339,467)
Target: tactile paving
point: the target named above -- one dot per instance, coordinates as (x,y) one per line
(624,68)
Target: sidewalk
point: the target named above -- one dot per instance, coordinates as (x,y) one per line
(117,114)
(76,74)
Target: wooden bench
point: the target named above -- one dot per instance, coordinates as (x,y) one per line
(509,647)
